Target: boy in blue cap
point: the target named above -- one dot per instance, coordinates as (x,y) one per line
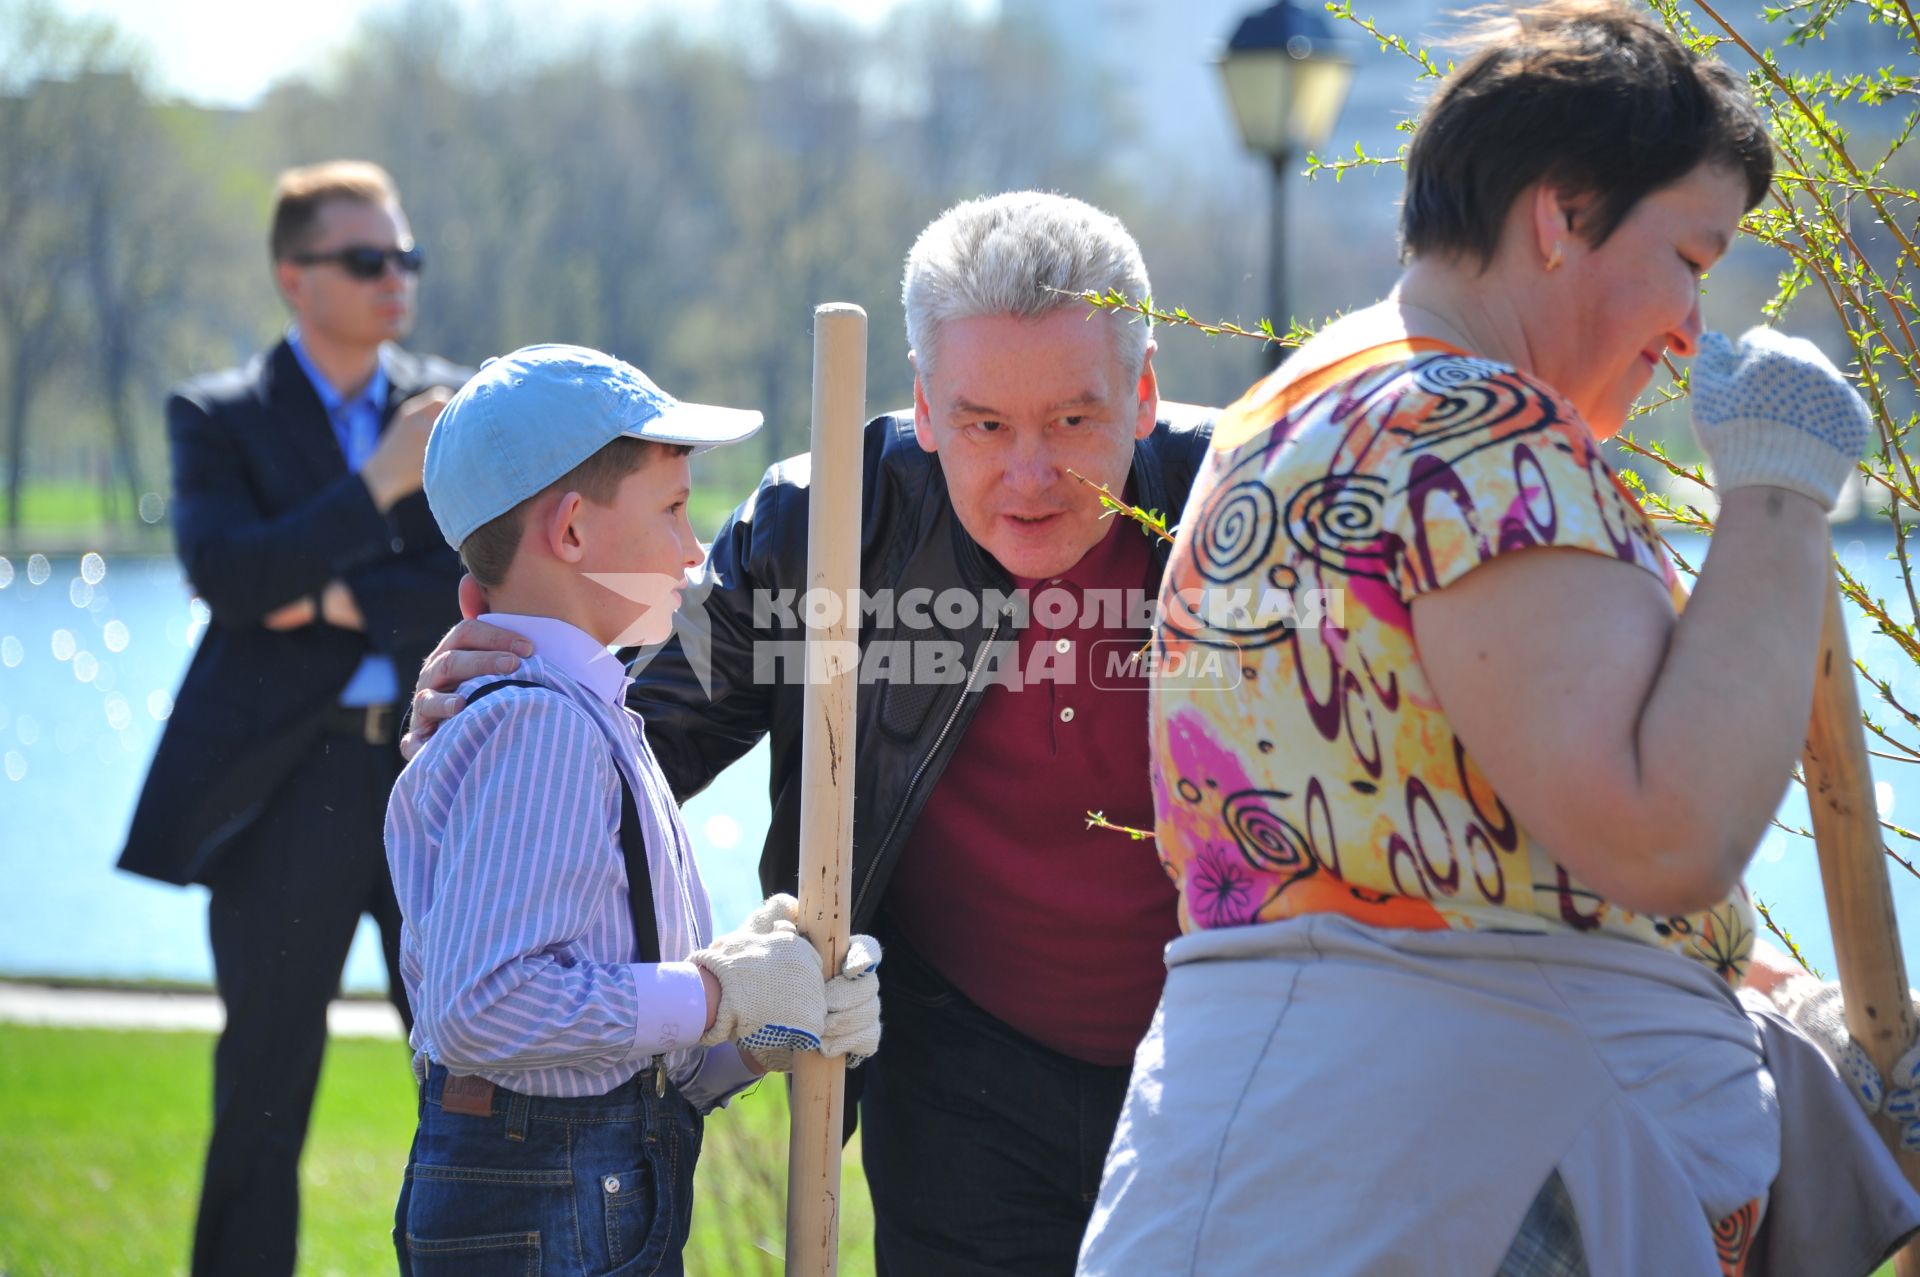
(573,1018)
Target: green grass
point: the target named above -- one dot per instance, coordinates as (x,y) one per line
(100,1161)
(58,506)
(47,503)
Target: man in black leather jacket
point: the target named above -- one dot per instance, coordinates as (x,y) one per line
(1023,950)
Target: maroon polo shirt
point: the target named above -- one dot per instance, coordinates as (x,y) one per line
(1054,928)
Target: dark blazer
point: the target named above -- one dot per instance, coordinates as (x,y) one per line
(265,512)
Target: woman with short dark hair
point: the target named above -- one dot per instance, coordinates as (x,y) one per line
(1460,863)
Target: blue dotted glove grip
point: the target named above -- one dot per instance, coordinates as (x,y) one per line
(1773,411)
(769,1038)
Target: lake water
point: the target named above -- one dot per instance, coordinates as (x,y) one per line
(92,650)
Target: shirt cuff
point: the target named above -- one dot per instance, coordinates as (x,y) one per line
(723,1072)
(670,1009)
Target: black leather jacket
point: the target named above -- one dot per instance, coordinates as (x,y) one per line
(906,730)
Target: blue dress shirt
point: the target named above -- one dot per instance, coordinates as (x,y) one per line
(356,427)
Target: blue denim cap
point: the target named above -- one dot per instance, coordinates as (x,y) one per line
(527,418)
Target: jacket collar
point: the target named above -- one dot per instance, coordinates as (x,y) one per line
(286,392)
(379,389)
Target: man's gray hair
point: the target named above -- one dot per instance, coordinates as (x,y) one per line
(1004,255)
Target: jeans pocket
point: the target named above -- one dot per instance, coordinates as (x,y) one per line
(636,1217)
(483,1221)
(495,1255)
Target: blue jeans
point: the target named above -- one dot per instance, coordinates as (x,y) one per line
(983,1148)
(595,1187)
(1548,1243)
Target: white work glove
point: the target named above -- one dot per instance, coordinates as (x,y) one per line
(1816,1010)
(773,1000)
(853,1004)
(1773,411)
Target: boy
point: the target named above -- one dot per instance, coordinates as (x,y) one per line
(563,1081)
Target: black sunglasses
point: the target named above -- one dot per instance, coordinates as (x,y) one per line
(363,261)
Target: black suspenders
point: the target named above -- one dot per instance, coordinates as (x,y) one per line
(633,843)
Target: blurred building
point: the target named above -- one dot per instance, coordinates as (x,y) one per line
(1159,60)
(1165,123)
(1176,134)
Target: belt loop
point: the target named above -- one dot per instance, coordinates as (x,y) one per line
(517,1117)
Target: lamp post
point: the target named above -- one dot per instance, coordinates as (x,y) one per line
(1286,77)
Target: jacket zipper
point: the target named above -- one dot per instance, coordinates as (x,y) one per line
(906,799)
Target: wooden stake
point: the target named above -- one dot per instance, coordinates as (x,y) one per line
(1853,873)
(826,766)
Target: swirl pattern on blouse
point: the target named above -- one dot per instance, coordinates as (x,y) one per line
(1327,779)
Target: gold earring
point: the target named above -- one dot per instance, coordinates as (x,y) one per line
(1555,257)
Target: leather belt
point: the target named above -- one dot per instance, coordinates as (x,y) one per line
(373,724)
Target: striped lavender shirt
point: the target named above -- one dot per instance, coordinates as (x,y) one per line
(516,946)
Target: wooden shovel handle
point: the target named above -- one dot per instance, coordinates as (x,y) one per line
(826,769)
(1853,873)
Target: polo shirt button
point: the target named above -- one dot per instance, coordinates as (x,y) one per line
(1066,715)
(1063,645)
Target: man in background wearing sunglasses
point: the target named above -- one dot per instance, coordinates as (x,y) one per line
(299,520)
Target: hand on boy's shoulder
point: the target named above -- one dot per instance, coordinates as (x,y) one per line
(540,723)
(472,649)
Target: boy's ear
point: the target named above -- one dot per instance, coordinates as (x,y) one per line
(473,597)
(562,528)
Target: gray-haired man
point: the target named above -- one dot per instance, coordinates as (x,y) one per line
(998,708)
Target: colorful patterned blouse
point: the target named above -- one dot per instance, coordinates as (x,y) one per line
(1301,763)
